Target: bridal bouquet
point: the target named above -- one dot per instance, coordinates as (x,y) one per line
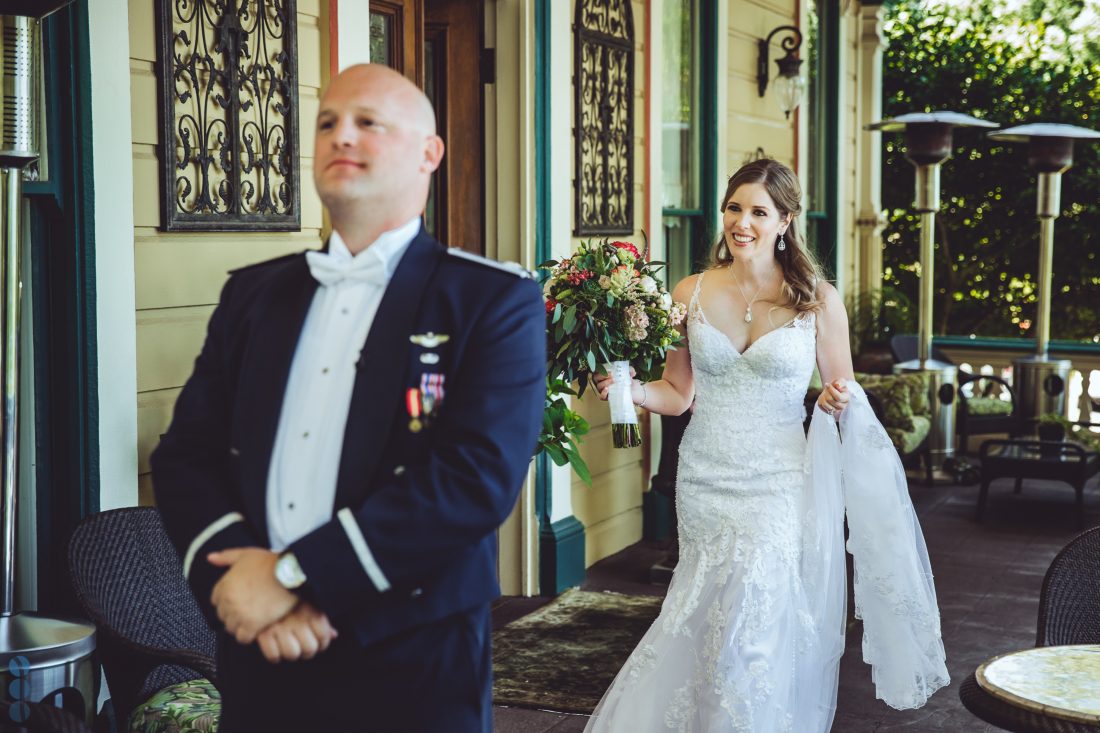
(606,308)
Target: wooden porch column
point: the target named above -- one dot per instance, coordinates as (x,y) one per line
(870,220)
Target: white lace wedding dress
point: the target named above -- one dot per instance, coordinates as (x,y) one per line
(750,634)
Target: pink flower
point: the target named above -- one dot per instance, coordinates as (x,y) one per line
(636,322)
(677,313)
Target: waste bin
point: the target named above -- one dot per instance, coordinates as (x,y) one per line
(1040,383)
(942,378)
(47,660)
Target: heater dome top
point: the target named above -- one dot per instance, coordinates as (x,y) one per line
(955,119)
(1023,133)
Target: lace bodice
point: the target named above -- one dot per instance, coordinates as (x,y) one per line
(765,383)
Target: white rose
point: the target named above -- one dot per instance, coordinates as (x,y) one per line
(665,301)
(648,284)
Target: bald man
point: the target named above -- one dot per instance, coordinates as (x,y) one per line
(357,426)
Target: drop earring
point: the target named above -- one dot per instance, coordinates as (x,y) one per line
(781,245)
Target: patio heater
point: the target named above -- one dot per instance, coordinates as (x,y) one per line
(42,659)
(1039,380)
(928,143)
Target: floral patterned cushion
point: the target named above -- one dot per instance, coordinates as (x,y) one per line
(189,707)
(988,406)
(894,394)
(907,441)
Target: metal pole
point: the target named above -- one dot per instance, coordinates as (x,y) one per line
(928,203)
(11,265)
(1049,199)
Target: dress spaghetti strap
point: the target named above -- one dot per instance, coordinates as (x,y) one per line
(693,306)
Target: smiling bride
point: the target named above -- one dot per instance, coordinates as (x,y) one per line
(752,630)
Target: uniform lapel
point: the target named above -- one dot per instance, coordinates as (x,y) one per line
(381,373)
(276,323)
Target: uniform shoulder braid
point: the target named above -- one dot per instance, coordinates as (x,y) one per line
(513,268)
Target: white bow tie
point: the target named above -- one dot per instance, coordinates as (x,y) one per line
(330,270)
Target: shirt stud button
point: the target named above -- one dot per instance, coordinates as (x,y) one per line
(324,371)
(305,434)
(290,506)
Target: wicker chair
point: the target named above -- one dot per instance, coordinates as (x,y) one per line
(129,580)
(40,718)
(1069,613)
(1069,603)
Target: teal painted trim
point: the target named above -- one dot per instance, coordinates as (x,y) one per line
(1009,344)
(83,166)
(63,304)
(561,556)
(656,516)
(542,205)
(681,212)
(708,79)
(831,23)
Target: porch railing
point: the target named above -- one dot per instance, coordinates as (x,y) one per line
(997,359)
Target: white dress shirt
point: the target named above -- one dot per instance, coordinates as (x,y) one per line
(305,461)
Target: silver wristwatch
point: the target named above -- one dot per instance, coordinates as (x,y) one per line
(288,572)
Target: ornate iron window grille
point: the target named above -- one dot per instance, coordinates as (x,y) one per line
(604,123)
(228,87)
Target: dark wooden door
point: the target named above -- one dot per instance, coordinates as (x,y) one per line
(448,67)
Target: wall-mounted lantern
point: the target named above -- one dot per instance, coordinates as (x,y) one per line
(790,83)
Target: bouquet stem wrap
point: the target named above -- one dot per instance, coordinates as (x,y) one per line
(625,431)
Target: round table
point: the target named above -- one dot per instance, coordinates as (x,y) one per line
(1056,681)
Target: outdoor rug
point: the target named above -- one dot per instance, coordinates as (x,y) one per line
(564,656)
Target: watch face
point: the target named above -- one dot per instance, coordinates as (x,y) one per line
(288,572)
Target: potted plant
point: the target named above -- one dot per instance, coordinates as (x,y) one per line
(1051,428)
(874,317)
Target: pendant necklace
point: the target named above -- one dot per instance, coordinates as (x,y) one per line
(748,308)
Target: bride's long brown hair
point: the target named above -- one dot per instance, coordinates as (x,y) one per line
(801,272)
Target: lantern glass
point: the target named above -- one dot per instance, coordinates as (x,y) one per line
(788,92)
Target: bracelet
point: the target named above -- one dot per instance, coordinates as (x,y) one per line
(645,395)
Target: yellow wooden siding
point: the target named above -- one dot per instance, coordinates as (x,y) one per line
(754,122)
(179,275)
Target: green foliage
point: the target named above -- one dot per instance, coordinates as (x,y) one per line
(874,316)
(1089,440)
(562,429)
(1010,63)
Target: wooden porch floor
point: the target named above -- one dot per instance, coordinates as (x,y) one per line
(988,578)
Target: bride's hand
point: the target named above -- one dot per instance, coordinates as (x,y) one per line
(834,397)
(603,382)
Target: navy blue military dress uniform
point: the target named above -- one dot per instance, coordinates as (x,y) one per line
(406,568)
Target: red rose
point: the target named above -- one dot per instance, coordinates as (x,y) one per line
(628,247)
(550,304)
